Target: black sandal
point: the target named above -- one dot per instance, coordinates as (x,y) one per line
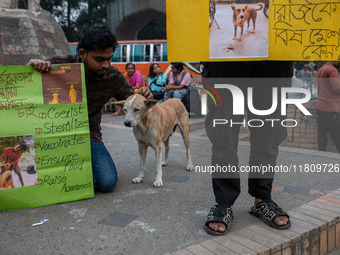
(219,213)
(268,211)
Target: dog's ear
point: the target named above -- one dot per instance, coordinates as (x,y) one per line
(233,7)
(245,8)
(150,102)
(120,103)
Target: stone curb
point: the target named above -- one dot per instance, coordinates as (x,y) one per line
(315,230)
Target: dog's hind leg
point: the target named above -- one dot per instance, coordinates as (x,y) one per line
(254,17)
(167,149)
(248,23)
(184,128)
(158,152)
(142,156)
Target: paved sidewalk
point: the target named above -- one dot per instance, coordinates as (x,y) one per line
(140,219)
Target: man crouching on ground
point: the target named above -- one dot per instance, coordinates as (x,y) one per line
(103,81)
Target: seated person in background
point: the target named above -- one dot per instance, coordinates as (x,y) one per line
(180,79)
(134,76)
(135,79)
(156,81)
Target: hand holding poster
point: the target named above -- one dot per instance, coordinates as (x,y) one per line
(229,30)
(44,140)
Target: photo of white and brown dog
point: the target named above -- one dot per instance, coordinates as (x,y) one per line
(243,13)
(153,124)
(6,167)
(6,180)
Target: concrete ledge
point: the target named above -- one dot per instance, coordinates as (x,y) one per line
(315,230)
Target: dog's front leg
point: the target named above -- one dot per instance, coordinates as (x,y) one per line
(167,149)
(242,28)
(142,157)
(158,152)
(235,32)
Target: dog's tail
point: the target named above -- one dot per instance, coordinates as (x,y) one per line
(261,6)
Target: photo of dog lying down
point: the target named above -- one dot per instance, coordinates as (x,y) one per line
(6,179)
(153,124)
(6,167)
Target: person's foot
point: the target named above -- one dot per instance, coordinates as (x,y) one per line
(270,213)
(217,226)
(280,220)
(218,220)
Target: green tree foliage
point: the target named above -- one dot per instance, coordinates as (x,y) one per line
(155,29)
(94,14)
(74,15)
(6,142)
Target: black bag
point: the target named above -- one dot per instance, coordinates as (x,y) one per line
(158,95)
(31,170)
(193,100)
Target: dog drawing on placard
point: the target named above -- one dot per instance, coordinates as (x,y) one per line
(55,99)
(153,124)
(241,14)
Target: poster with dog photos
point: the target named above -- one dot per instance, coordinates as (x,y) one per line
(253,30)
(45,154)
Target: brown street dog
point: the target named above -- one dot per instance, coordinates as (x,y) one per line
(6,167)
(153,124)
(6,180)
(241,14)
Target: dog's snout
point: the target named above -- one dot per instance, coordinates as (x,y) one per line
(127,123)
(242,16)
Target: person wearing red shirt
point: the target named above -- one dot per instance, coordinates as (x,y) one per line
(12,155)
(328,104)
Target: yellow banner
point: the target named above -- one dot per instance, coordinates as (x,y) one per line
(295,30)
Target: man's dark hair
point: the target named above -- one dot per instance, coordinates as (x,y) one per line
(97,37)
(23,145)
(178,65)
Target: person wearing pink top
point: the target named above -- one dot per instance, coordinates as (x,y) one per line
(179,82)
(135,79)
(328,104)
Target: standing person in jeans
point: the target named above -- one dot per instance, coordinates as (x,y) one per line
(264,140)
(179,82)
(103,81)
(328,104)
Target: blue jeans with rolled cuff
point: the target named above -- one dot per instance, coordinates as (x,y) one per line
(103,168)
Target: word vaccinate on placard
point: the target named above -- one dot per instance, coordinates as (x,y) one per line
(44,139)
(230,30)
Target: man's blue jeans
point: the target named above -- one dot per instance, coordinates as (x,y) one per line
(103,168)
(175,93)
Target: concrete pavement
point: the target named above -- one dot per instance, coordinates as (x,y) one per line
(140,219)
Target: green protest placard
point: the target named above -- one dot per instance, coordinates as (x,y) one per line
(44,137)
